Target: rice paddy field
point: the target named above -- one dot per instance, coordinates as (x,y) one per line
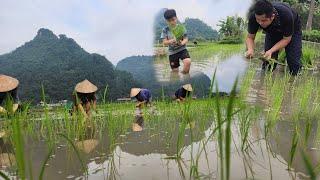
(265,128)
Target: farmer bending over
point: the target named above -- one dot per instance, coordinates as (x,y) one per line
(176,45)
(8,94)
(283,30)
(183,92)
(85,97)
(143,96)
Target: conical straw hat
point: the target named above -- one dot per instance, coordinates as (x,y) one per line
(7,83)
(87,146)
(187,87)
(134,92)
(85,87)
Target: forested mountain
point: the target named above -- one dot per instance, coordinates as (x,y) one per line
(58,63)
(196,29)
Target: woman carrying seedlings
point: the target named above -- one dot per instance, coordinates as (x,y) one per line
(85,97)
(8,94)
(175,37)
(143,96)
(183,92)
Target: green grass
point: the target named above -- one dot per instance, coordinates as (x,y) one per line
(310,56)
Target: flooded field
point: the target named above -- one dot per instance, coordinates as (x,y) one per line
(266,127)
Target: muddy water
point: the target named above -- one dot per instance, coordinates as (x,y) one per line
(140,152)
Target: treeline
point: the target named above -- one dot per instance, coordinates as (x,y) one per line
(309,11)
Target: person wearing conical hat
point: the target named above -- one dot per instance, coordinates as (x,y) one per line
(143,96)
(183,92)
(85,97)
(8,94)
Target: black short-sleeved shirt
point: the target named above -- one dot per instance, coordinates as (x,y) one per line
(285,22)
(182,93)
(85,98)
(13,94)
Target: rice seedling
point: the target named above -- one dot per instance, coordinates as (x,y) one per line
(294,145)
(276,89)
(44,164)
(178,31)
(308,166)
(17,138)
(245,122)
(224,131)
(105,94)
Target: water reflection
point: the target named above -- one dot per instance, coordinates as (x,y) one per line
(137,125)
(281,143)
(7,157)
(87,141)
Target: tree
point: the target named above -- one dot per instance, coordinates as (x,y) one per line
(232,26)
(310,16)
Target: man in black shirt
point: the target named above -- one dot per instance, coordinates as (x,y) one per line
(283,30)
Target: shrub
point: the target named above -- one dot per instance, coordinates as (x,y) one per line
(313,35)
(309,56)
(231,40)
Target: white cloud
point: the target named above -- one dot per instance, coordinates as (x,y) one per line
(114,28)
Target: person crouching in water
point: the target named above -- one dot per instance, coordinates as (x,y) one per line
(183,92)
(8,94)
(143,96)
(85,97)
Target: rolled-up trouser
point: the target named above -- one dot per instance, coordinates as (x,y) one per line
(293,51)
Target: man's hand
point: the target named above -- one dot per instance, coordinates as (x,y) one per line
(140,104)
(183,41)
(250,45)
(172,41)
(268,54)
(167,42)
(249,53)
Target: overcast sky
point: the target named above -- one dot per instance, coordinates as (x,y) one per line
(113,28)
